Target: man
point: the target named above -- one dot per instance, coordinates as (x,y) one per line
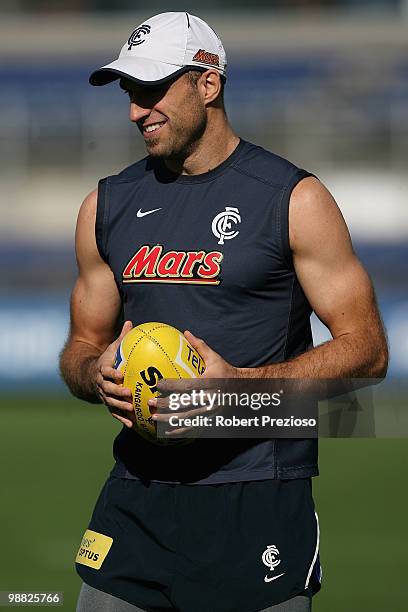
(220,525)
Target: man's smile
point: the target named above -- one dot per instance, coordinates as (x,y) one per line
(153,128)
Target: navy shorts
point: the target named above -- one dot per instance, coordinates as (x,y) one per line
(233,547)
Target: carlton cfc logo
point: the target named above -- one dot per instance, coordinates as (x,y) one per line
(223,222)
(137,37)
(270,558)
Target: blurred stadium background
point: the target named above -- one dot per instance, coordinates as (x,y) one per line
(324,83)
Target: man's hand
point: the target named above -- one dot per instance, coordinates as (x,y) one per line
(215,367)
(108,382)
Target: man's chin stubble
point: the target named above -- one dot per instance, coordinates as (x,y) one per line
(159,153)
(173,153)
(154,150)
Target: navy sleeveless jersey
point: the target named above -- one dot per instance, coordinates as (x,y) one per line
(213,257)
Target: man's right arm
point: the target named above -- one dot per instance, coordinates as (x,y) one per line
(87,358)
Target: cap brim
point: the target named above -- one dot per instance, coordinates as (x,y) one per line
(142,71)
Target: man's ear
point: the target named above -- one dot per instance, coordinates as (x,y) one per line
(210,86)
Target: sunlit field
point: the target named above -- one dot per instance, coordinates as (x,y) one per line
(56,453)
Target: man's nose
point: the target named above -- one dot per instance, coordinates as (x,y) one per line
(137,111)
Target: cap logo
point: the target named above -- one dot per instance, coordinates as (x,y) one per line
(204,57)
(138,36)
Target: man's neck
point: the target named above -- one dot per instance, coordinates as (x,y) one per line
(213,148)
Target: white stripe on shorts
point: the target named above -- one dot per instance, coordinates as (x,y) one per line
(315,553)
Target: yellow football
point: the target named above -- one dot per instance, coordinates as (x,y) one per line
(147,353)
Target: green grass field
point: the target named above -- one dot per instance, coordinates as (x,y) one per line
(56,453)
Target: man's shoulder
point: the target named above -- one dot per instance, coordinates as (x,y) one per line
(137,171)
(265,165)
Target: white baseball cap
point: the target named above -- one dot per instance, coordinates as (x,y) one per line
(164,47)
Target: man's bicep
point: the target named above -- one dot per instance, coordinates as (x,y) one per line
(95,309)
(343,299)
(334,281)
(95,301)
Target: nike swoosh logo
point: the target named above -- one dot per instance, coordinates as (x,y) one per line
(146,212)
(266,579)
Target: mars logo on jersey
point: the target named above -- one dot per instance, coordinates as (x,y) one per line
(152,264)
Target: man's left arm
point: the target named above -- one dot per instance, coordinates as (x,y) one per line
(338,289)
